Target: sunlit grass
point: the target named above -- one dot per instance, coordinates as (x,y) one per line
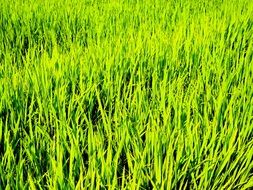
(126,94)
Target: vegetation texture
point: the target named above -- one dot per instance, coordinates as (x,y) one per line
(133,94)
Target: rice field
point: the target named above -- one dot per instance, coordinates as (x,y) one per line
(126,94)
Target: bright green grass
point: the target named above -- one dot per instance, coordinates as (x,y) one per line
(133,94)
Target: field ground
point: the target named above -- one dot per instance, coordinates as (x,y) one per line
(126,94)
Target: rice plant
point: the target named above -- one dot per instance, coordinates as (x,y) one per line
(126,94)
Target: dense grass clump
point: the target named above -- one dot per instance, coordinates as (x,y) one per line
(131,94)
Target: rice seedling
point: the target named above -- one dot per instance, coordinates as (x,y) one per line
(131,94)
